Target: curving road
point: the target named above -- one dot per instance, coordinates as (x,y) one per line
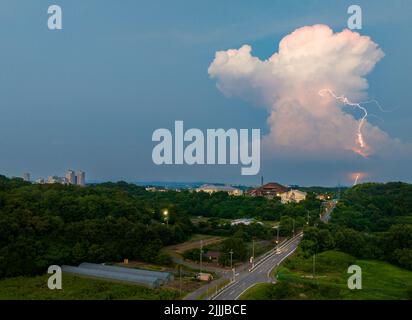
(261,272)
(330,206)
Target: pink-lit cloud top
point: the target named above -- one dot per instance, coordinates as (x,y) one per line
(301,121)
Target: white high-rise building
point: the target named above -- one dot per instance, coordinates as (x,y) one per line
(71,177)
(81,178)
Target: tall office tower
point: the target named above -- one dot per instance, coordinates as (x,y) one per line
(71,177)
(26,176)
(81,178)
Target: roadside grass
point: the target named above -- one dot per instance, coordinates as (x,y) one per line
(78,288)
(261,291)
(380,280)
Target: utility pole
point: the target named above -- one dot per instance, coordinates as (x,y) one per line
(277,239)
(231,264)
(201,255)
(180,280)
(307,217)
(253,253)
(314,263)
(293,230)
(277,235)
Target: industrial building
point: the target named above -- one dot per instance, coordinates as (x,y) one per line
(152,279)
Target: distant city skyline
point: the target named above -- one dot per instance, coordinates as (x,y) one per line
(71,178)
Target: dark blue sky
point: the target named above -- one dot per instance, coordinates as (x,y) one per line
(89,97)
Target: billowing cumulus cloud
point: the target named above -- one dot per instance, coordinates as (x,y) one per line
(288,83)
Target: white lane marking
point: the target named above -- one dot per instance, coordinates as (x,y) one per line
(265,259)
(293,250)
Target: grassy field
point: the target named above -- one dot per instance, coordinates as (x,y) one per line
(78,288)
(193,243)
(380,280)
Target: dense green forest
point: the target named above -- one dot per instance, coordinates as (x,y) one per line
(372,221)
(42,225)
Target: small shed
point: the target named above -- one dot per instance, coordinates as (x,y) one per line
(212,255)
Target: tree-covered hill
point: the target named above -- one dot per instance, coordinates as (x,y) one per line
(375,206)
(372,221)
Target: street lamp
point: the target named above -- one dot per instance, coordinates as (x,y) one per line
(231,264)
(253,253)
(277,235)
(277,238)
(166,215)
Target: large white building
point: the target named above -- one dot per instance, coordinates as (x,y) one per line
(292,196)
(210,188)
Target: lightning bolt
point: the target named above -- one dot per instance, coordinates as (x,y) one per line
(360,140)
(356,179)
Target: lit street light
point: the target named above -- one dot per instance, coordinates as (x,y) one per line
(166,215)
(277,234)
(277,239)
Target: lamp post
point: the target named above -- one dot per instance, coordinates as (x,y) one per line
(231,264)
(166,215)
(314,265)
(277,238)
(277,235)
(253,253)
(180,280)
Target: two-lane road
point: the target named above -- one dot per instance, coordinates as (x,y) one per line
(261,272)
(330,206)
